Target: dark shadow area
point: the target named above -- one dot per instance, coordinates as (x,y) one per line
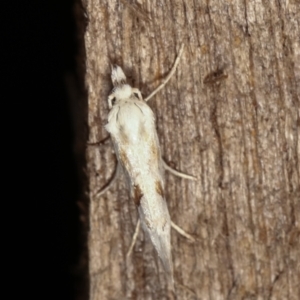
(42,54)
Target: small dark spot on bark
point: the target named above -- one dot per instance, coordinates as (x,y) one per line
(215,77)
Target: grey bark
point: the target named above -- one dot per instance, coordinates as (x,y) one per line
(231,117)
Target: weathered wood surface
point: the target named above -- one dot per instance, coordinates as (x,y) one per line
(231,117)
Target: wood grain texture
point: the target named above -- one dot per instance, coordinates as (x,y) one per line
(230,116)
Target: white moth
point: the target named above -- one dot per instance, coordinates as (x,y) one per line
(131,124)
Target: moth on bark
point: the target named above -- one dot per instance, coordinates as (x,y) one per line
(131,124)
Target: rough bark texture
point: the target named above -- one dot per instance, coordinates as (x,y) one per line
(230,116)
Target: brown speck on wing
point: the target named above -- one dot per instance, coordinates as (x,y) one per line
(124,159)
(137,194)
(159,188)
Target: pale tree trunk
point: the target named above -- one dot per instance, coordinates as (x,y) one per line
(230,116)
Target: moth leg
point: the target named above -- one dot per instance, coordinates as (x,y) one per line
(137,230)
(185,176)
(169,75)
(110,183)
(177,173)
(182,232)
(99,142)
(134,238)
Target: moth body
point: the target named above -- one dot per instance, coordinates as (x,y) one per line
(131,124)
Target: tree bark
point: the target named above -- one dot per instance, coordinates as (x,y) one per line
(229,116)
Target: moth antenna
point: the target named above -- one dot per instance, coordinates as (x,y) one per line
(117,76)
(169,75)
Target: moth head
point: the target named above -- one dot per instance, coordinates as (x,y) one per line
(119,93)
